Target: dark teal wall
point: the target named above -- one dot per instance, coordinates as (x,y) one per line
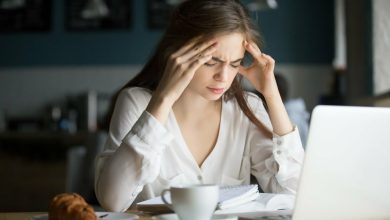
(299,31)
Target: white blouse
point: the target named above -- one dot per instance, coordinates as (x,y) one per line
(142,156)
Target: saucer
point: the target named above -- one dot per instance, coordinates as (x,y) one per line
(101,215)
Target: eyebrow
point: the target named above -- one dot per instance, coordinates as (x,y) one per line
(222,61)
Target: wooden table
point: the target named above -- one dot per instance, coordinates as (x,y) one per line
(29,215)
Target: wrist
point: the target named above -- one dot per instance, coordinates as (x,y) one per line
(269,88)
(159,107)
(272,93)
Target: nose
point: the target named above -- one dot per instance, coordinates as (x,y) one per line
(222,74)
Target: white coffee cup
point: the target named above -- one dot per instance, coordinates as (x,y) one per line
(193,202)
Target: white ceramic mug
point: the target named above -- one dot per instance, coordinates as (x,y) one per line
(193,202)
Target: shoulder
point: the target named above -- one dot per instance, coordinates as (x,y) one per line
(134,96)
(255,103)
(136,92)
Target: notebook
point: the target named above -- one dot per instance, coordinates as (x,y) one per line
(346,172)
(229,196)
(265,202)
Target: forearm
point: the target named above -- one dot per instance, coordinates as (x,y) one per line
(159,106)
(280,120)
(123,171)
(119,181)
(277,163)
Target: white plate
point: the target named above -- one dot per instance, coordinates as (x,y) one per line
(103,215)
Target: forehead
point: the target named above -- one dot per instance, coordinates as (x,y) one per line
(230,47)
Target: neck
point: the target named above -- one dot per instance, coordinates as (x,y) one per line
(190,105)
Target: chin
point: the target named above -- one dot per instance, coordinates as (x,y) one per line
(212,97)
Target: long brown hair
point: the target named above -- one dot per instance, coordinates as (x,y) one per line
(206,18)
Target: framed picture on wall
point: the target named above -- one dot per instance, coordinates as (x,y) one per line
(83,15)
(158,12)
(25,15)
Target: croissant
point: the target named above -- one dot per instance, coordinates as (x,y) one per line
(70,206)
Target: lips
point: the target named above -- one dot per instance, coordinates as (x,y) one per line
(216,90)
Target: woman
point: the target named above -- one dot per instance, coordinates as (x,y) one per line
(184,118)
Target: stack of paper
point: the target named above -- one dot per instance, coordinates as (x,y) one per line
(265,202)
(232,196)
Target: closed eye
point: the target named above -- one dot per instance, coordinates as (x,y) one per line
(235,64)
(210,64)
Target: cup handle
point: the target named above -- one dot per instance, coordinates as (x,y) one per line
(163,194)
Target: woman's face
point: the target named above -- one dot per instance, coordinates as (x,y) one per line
(214,78)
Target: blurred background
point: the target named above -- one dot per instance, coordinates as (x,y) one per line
(61,61)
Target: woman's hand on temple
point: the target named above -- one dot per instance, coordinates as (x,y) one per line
(261,75)
(179,71)
(261,72)
(181,67)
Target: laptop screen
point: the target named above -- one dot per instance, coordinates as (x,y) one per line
(346,172)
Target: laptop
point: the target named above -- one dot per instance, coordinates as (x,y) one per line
(346,172)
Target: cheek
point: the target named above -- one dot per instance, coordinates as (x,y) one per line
(204,72)
(201,75)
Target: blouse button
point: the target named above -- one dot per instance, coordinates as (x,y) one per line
(199,177)
(279,142)
(278,152)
